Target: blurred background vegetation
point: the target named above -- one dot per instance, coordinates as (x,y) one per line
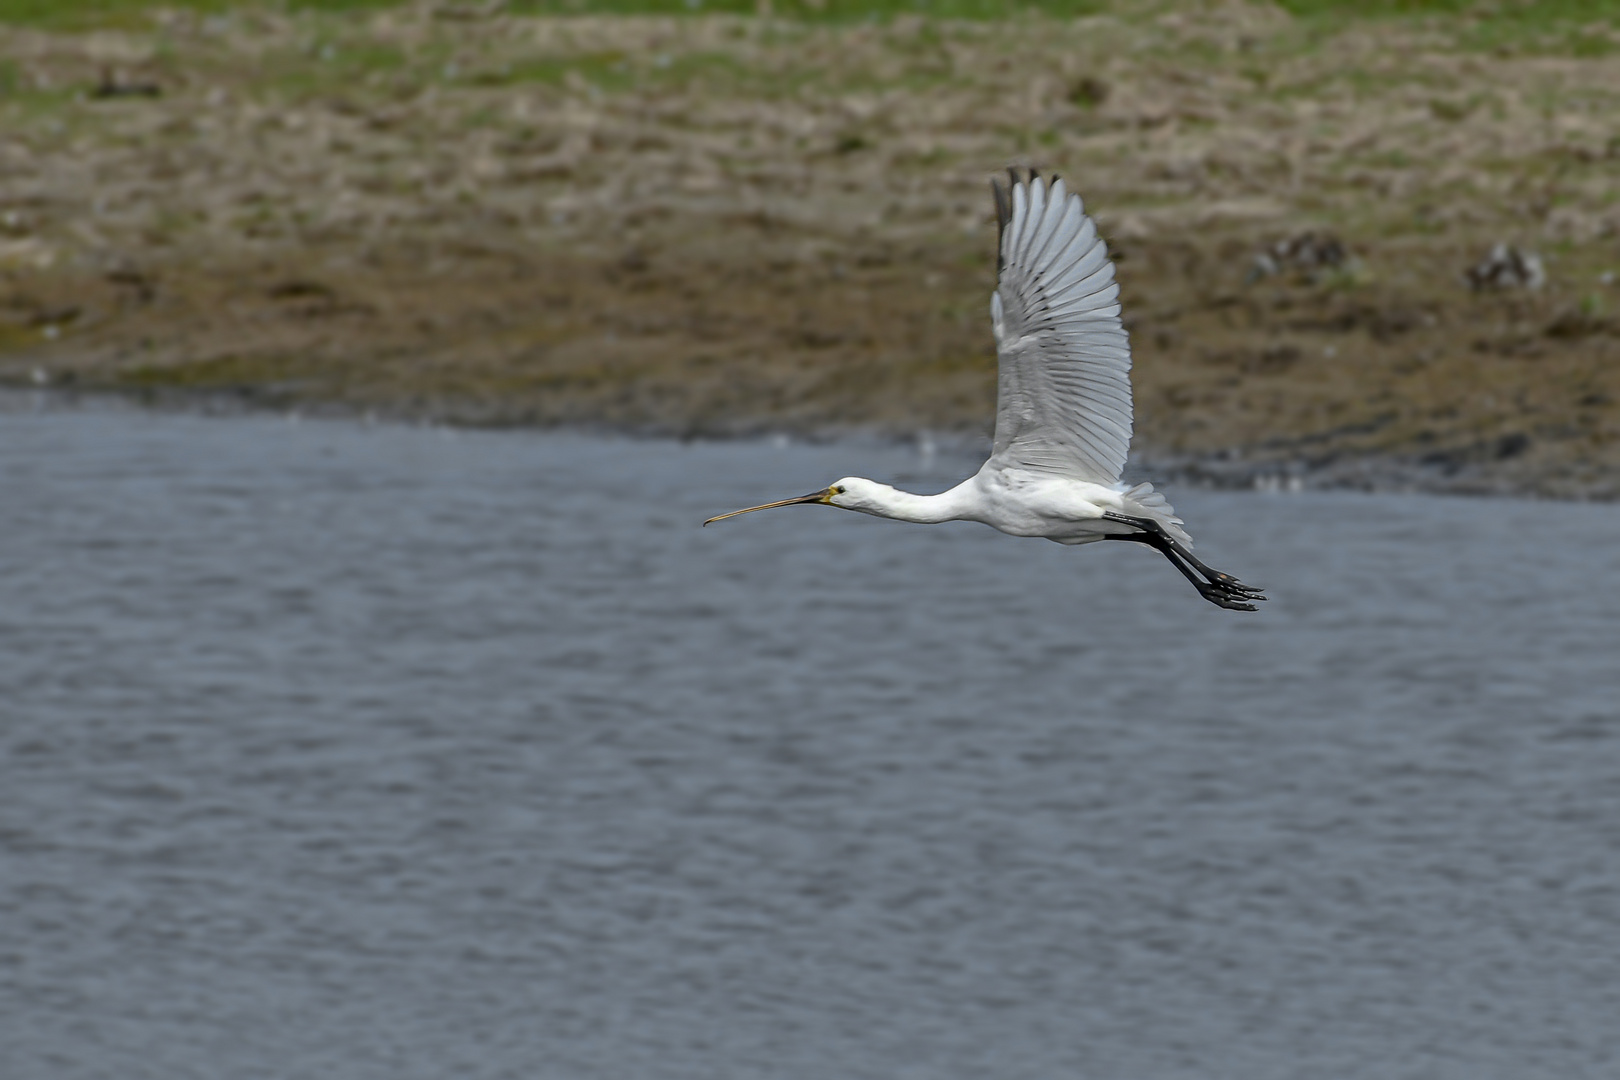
(732,216)
(1488,17)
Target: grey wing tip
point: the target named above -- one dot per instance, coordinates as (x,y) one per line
(1004,206)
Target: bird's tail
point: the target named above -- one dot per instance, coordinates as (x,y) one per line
(1143,501)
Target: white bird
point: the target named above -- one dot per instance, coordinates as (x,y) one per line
(1063,406)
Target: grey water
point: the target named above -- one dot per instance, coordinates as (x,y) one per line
(348,751)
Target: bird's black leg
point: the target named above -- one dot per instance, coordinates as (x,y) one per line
(1220,589)
(1217,593)
(1176,546)
(1158,545)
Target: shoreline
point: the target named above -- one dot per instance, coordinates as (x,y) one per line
(1218,472)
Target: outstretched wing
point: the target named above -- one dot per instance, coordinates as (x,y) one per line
(1064,393)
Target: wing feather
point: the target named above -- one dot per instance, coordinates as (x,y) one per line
(1037,213)
(1020,206)
(1064,391)
(1065,223)
(1056,254)
(1095,290)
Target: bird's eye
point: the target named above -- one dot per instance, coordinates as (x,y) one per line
(839,490)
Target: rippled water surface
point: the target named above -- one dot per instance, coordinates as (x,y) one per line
(341,751)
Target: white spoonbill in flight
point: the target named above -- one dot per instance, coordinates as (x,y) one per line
(1063,407)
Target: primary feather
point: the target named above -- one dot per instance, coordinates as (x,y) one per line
(1064,390)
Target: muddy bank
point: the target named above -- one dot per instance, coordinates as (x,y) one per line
(711,226)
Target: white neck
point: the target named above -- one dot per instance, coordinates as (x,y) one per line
(952,505)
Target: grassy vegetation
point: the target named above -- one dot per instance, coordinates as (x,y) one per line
(1492,19)
(86,14)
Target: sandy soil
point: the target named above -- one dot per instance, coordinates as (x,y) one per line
(718,226)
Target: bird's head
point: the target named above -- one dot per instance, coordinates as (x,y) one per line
(850,493)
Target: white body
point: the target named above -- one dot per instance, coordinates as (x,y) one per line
(1016,501)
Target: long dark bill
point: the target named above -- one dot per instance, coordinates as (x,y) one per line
(814,496)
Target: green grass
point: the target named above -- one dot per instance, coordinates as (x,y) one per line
(818,10)
(335,65)
(82,14)
(1552,27)
(1512,11)
(1490,17)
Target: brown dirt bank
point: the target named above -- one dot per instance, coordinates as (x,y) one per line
(713,226)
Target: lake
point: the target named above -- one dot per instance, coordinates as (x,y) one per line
(366,750)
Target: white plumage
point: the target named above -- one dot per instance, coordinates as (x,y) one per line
(1063,406)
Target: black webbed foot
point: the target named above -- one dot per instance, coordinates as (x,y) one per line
(1234,597)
